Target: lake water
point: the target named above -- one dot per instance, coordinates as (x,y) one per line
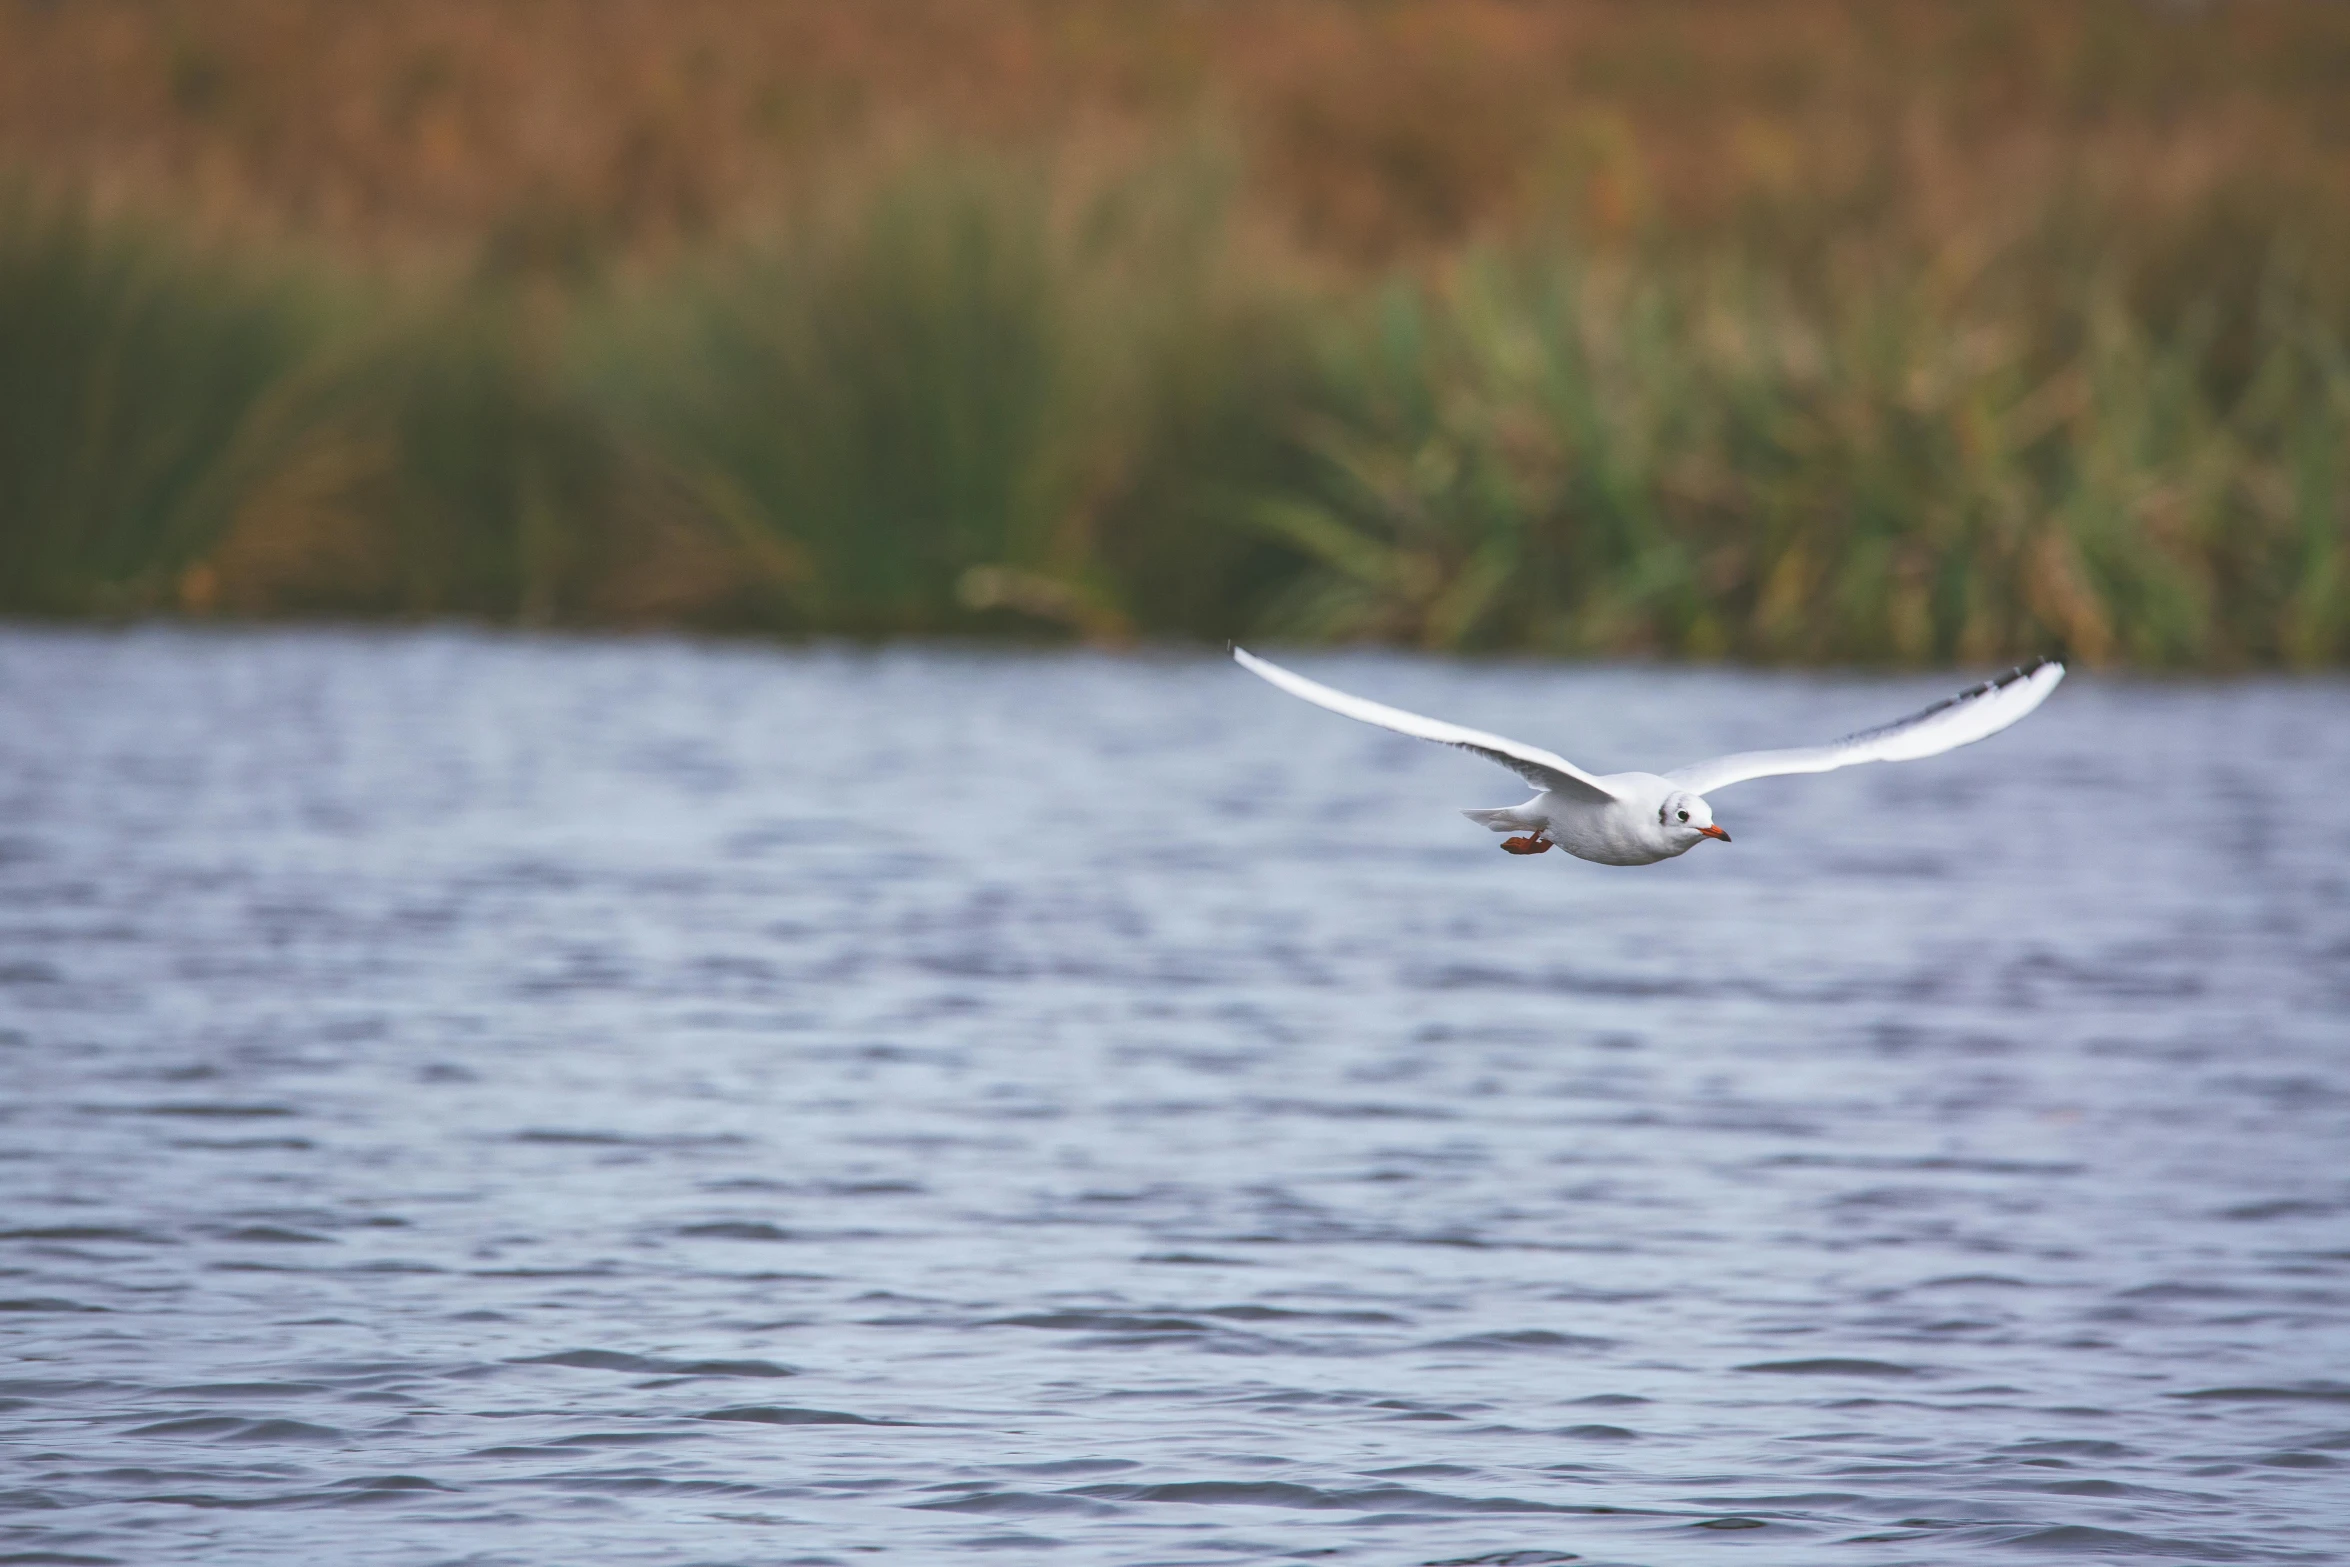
(477,1099)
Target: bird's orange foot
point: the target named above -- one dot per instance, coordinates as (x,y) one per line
(1534,844)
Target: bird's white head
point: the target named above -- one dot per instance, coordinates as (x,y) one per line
(1686,818)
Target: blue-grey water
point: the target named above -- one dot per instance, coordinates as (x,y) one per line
(470,1099)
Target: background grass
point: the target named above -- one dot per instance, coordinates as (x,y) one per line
(1784,331)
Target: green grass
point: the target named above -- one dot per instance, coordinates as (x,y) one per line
(872,408)
(136,383)
(963,399)
(1710,458)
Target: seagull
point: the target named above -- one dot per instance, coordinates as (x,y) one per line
(1641,818)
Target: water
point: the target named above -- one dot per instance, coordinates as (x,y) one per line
(489,1100)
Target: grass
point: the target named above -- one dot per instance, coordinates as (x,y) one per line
(1791,332)
(1373,132)
(136,381)
(1718,459)
(875,408)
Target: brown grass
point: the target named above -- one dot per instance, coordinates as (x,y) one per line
(556,130)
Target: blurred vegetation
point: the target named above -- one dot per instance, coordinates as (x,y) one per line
(133,380)
(1792,332)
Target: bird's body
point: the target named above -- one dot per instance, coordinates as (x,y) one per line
(1641,818)
(1631,828)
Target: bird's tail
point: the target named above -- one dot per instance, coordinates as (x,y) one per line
(1502,819)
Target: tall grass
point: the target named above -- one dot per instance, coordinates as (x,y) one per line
(968,397)
(446,463)
(136,381)
(961,401)
(875,406)
(1712,458)
(1794,329)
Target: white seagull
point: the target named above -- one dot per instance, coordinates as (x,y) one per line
(1640,818)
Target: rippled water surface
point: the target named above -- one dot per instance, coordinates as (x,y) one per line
(525,1101)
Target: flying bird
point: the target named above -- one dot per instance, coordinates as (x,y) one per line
(1641,818)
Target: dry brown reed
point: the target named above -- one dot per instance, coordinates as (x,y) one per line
(1370,128)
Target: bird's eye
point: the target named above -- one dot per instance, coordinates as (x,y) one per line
(1684,816)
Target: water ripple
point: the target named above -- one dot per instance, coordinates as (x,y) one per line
(485,1099)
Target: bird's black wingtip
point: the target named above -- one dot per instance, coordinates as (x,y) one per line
(2022,672)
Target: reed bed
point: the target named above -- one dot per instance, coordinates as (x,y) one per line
(1899,334)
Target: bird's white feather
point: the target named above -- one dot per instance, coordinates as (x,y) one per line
(1974,714)
(1543,769)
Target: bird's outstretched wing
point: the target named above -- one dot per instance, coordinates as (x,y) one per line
(1973,714)
(1537,766)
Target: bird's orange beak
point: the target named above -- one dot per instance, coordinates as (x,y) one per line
(1714,832)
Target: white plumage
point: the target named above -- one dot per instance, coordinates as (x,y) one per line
(1640,818)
